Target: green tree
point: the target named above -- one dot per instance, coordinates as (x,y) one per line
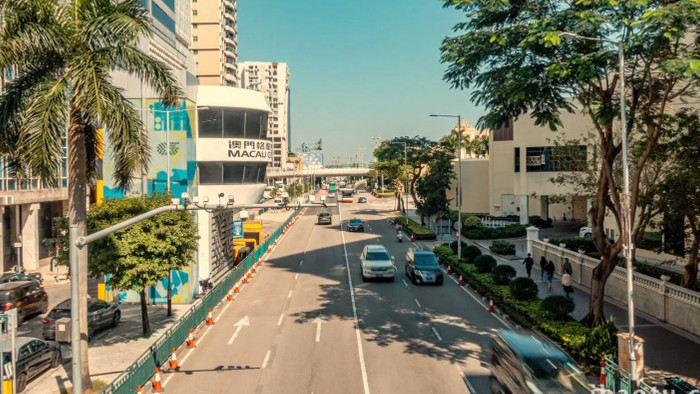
(432,187)
(513,57)
(144,253)
(65,52)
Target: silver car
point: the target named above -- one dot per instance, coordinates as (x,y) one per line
(101,314)
(376,263)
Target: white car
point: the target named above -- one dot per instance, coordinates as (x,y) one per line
(377,263)
(585,232)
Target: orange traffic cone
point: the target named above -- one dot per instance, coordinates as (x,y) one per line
(190,339)
(173,361)
(210,320)
(267,234)
(236,289)
(250,276)
(157,387)
(275,241)
(138,390)
(449,270)
(412,239)
(491,308)
(461,281)
(230,294)
(253,270)
(259,261)
(602,373)
(245,279)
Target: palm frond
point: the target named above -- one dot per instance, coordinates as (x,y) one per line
(46,120)
(92,146)
(108,23)
(150,70)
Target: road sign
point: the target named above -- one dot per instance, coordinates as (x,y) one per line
(237,229)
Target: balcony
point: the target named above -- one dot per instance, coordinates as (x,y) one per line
(230,27)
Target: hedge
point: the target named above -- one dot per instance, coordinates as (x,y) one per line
(504,248)
(419,232)
(568,333)
(512,231)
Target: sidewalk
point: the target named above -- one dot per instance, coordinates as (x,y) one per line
(114,350)
(668,352)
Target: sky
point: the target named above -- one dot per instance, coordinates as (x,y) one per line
(358,69)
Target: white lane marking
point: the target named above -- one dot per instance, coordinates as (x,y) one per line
(296,276)
(436,334)
(266,359)
(318,322)
(290,294)
(417,303)
(404,282)
(476,299)
(243,322)
(466,381)
(279,322)
(363,369)
(301,263)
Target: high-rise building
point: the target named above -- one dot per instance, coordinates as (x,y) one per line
(215,42)
(273,80)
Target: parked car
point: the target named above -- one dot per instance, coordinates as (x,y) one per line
(523,362)
(376,263)
(422,267)
(101,314)
(362,199)
(28,297)
(17,277)
(34,356)
(356,224)
(324,218)
(585,232)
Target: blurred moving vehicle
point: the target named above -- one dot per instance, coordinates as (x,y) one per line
(28,297)
(34,356)
(324,218)
(16,277)
(523,362)
(356,224)
(585,232)
(362,199)
(376,263)
(422,267)
(101,314)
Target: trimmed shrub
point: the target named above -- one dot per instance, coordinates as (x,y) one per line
(559,306)
(502,274)
(415,229)
(471,222)
(484,263)
(537,221)
(453,246)
(512,231)
(523,288)
(470,252)
(502,247)
(600,343)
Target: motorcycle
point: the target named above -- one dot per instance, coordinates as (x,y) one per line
(206,286)
(399,236)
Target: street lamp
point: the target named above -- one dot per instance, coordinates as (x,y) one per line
(405,169)
(459,181)
(627,209)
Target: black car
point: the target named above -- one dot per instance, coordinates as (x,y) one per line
(34,356)
(523,362)
(362,199)
(101,314)
(26,296)
(356,225)
(18,277)
(422,267)
(324,218)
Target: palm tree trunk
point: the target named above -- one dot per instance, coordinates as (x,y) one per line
(77,195)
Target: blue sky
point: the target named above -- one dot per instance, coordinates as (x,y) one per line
(358,68)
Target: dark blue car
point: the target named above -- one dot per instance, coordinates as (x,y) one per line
(356,225)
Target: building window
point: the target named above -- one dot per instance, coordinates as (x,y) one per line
(194,12)
(195,38)
(504,133)
(231,173)
(222,122)
(194,25)
(163,18)
(559,158)
(516,157)
(195,52)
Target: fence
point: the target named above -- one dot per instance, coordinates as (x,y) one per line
(617,380)
(158,354)
(675,305)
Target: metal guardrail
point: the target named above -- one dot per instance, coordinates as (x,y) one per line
(617,380)
(158,354)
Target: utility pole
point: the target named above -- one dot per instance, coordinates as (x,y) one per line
(375,142)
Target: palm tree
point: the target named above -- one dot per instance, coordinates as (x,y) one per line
(64,52)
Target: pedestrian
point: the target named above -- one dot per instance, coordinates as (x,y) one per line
(566,283)
(529,262)
(543,265)
(568,269)
(549,269)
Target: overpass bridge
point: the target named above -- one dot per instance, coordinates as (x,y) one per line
(277,172)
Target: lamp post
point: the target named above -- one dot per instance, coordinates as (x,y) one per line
(459,181)
(405,169)
(627,209)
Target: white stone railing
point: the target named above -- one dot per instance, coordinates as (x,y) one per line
(672,304)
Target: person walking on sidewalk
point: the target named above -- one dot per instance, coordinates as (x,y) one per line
(566,283)
(568,269)
(529,262)
(543,265)
(549,270)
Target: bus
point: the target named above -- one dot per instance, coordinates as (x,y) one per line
(342,184)
(332,186)
(346,195)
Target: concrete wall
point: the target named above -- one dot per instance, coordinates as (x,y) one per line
(475,186)
(664,301)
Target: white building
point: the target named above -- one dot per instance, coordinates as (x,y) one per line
(272,79)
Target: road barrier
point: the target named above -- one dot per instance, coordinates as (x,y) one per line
(159,353)
(616,380)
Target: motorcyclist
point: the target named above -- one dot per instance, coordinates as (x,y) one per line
(399,235)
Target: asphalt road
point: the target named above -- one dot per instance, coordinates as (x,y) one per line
(307,323)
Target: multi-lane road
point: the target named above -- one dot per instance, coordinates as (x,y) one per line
(307,323)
